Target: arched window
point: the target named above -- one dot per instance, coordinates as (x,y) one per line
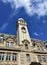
(26,46)
(23,29)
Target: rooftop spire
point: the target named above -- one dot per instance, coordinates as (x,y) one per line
(21,19)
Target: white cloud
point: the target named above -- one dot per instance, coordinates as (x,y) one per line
(35,33)
(38,34)
(31,7)
(3,27)
(43,21)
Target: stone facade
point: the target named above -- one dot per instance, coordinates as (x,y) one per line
(20,49)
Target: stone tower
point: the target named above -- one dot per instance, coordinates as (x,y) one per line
(22,32)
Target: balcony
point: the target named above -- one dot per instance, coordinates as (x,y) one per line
(10,48)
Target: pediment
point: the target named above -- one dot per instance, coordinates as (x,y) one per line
(25,41)
(10,39)
(38,43)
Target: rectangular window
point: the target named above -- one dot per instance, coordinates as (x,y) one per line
(1,39)
(1,56)
(8,57)
(41,58)
(9,45)
(14,57)
(26,46)
(40,48)
(46,58)
(27,57)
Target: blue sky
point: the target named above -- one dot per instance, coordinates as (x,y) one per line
(33,11)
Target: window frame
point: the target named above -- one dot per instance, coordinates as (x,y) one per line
(1,39)
(1,56)
(14,57)
(10,44)
(28,57)
(26,46)
(40,48)
(8,56)
(41,58)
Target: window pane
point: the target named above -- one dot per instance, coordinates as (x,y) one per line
(40,48)
(39,58)
(33,43)
(43,58)
(9,44)
(1,56)
(26,46)
(14,56)
(1,39)
(8,56)
(28,57)
(46,58)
